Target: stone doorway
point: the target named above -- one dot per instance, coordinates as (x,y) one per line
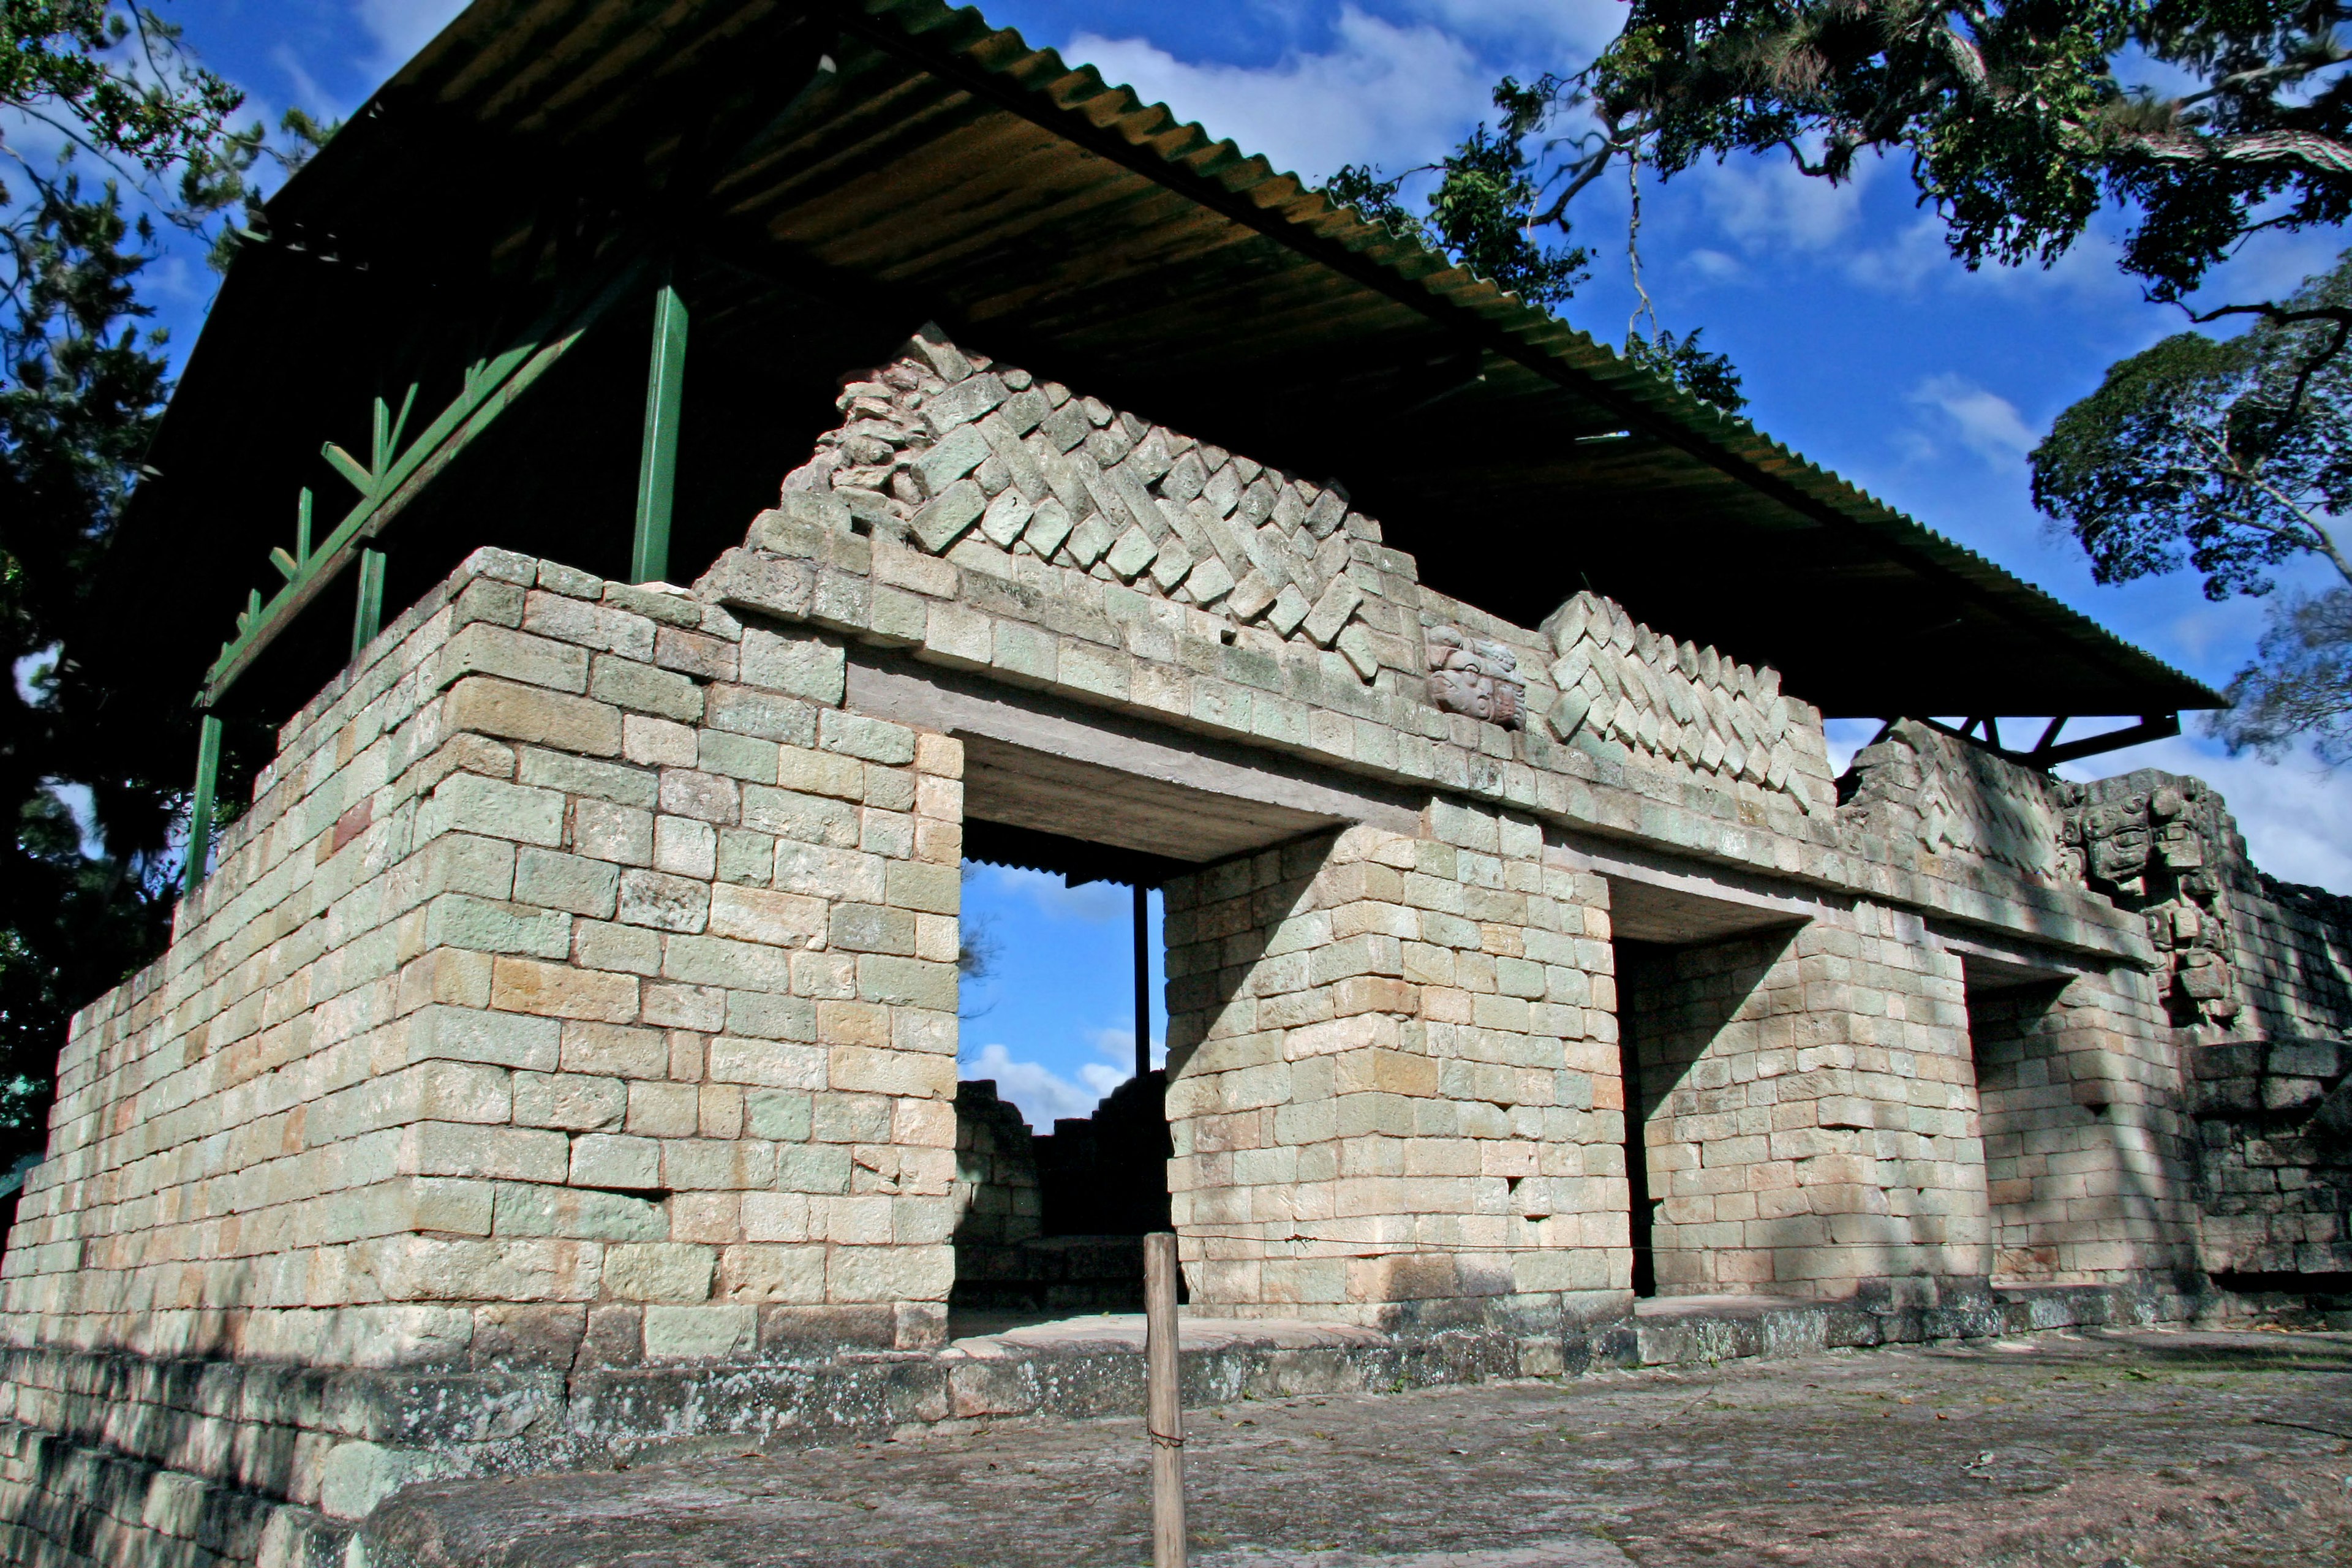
(2039,1124)
(1051,1216)
(1697,975)
(1049,1221)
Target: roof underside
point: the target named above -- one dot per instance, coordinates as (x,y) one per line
(945,170)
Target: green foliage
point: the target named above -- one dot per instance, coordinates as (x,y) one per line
(81,386)
(2017,118)
(1709,377)
(2231,456)
(80,391)
(113,78)
(1481,213)
(2220,454)
(2299,686)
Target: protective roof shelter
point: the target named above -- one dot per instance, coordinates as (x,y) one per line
(448,315)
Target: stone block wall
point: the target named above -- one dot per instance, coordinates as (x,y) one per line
(959,457)
(2254,977)
(1393,1084)
(2274,1124)
(601,916)
(997,1200)
(2087,1148)
(2293,961)
(578,990)
(572,1016)
(1810,1111)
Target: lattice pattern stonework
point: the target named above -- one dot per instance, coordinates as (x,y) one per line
(953,451)
(1620,681)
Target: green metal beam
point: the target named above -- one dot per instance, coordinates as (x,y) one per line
(395,479)
(200,817)
(367,618)
(657,460)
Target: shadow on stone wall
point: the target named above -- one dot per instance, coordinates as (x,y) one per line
(1055,1223)
(2274,1160)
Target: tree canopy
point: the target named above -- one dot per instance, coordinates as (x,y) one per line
(2207,122)
(2230,456)
(1479,213)
(92,807)
(2019,120)
(1482,213)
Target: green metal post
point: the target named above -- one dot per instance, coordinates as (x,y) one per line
(657,460)
(200,819)
(367,619)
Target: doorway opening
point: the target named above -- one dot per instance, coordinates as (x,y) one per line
(1053,1201)
(2031,1114)
(1691,966)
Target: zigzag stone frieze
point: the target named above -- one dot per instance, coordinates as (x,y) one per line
(1617,680)
(960,457)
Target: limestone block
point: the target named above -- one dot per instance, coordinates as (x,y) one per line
(762,915)
(470,802)
(616,1161)
(673,1332)
(360,1475)
(560,991)
(663,902)
(566,1211)
(490,706)
(658,1271)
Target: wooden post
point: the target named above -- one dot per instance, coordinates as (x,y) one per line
(200,815)
(1143,982)
(657,460)
(1164,1417)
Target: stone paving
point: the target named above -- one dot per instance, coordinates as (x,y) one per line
(2102,1449)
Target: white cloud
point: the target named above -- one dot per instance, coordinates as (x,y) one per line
(1768,205)
(1847,736)
(399,29)
(1395,96)
(1556,35)
(1984,422)
(306,86)
(1041,1093)
(2272,267)
(2296,816)
(1095,903)
(1714,266)
(1900,266)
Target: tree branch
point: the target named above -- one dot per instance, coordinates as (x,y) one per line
(2306,151)
(2311,536)
(2270,311)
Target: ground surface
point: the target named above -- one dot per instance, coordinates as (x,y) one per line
(2150,1450)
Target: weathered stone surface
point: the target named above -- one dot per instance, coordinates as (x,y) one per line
(2167,1451)
(590,950)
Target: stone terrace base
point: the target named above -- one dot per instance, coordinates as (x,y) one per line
(2163,1448)
(113,1460)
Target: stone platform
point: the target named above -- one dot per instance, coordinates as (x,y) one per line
(2156,1448)
(399,1429)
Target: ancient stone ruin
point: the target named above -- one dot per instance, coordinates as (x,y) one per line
(563,1049)
(556,1051)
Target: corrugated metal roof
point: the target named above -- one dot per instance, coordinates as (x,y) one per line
(945,168)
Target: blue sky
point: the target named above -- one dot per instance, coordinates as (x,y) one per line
(1863,344)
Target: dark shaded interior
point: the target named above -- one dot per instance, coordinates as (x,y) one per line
(1642,968)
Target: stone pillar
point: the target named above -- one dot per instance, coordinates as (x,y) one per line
(1393,1079)
(1810,1112)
